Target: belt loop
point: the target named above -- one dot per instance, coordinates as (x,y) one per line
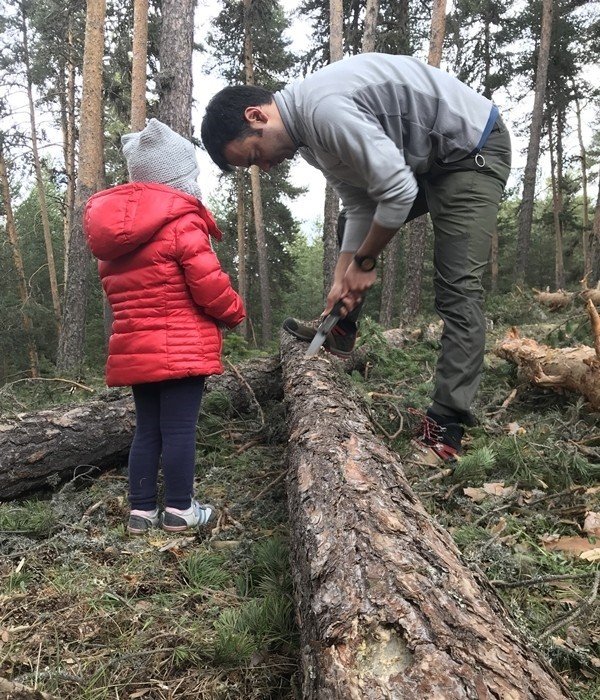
(479,160)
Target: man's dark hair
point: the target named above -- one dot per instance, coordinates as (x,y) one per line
(224,120)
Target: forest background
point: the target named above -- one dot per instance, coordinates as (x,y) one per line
(89,613)
(548,232)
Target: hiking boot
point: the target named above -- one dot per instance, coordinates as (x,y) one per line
(180,520)
(140,521)
(340,341)
(437,442)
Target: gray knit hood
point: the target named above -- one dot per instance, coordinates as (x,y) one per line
(159,154)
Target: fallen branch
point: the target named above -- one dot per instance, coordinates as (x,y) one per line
(564,369)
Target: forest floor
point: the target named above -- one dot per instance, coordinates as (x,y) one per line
(89,613)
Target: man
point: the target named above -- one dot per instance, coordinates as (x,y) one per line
(395,138)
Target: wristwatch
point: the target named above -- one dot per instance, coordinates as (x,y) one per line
(365,262)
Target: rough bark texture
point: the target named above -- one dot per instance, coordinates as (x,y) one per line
(533,150)
(138,65)
(415,255)
(38,450)
(91,141)
(175,78)
(386,607)
(438,32)
(565,369)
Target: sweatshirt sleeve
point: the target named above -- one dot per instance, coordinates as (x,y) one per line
(209,285)
(389,186)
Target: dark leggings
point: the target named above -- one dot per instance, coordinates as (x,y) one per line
(166,417)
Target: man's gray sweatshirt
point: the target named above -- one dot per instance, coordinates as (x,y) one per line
(372,123)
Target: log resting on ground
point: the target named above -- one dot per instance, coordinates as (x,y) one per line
(574,369)
(386,606)
(40,449)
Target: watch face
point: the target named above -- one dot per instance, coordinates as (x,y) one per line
(365,262)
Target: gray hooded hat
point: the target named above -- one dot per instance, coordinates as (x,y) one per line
(159,154)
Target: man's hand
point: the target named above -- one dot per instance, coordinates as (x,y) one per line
(356,283)
(350,288)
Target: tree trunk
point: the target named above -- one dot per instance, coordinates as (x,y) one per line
(42,448)
(438,32)
(138,65)
(41,187)
(411,299)
(91,141)
(11,232)
(594,277)
(175,77)
(370,27)
(331,206)
(241,247)
(418,227)
(559,267)
(331,213)
(389,281)
(259,224)
(585,247)
(386,606)
(68,129)
(533,150)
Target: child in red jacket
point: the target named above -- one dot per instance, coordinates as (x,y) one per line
(168,296)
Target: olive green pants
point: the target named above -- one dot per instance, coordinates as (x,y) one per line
(463,199)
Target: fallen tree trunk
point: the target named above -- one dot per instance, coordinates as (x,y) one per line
(38,450)
(555,300)
(387,607)
(564,369)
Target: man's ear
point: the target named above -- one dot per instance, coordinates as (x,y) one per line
(255,116)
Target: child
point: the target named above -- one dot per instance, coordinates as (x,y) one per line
(169,296)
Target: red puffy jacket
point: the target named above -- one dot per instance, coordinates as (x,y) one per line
(163,281)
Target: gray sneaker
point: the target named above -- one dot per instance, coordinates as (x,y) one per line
(139,524)
(196,515)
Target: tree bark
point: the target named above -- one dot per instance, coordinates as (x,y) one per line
(585,247)
(175,77)
(370,26)
(138,65)
(68,130)
(559,267)
(594,276)
(415,255)
(438,32)
(241,246)
(91,143)
(41,187)
(387,608)
(533,150)
(13,239)
(411,300)
(40,449)
(389,281)
(331,208)
(331,213)
(257,208)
